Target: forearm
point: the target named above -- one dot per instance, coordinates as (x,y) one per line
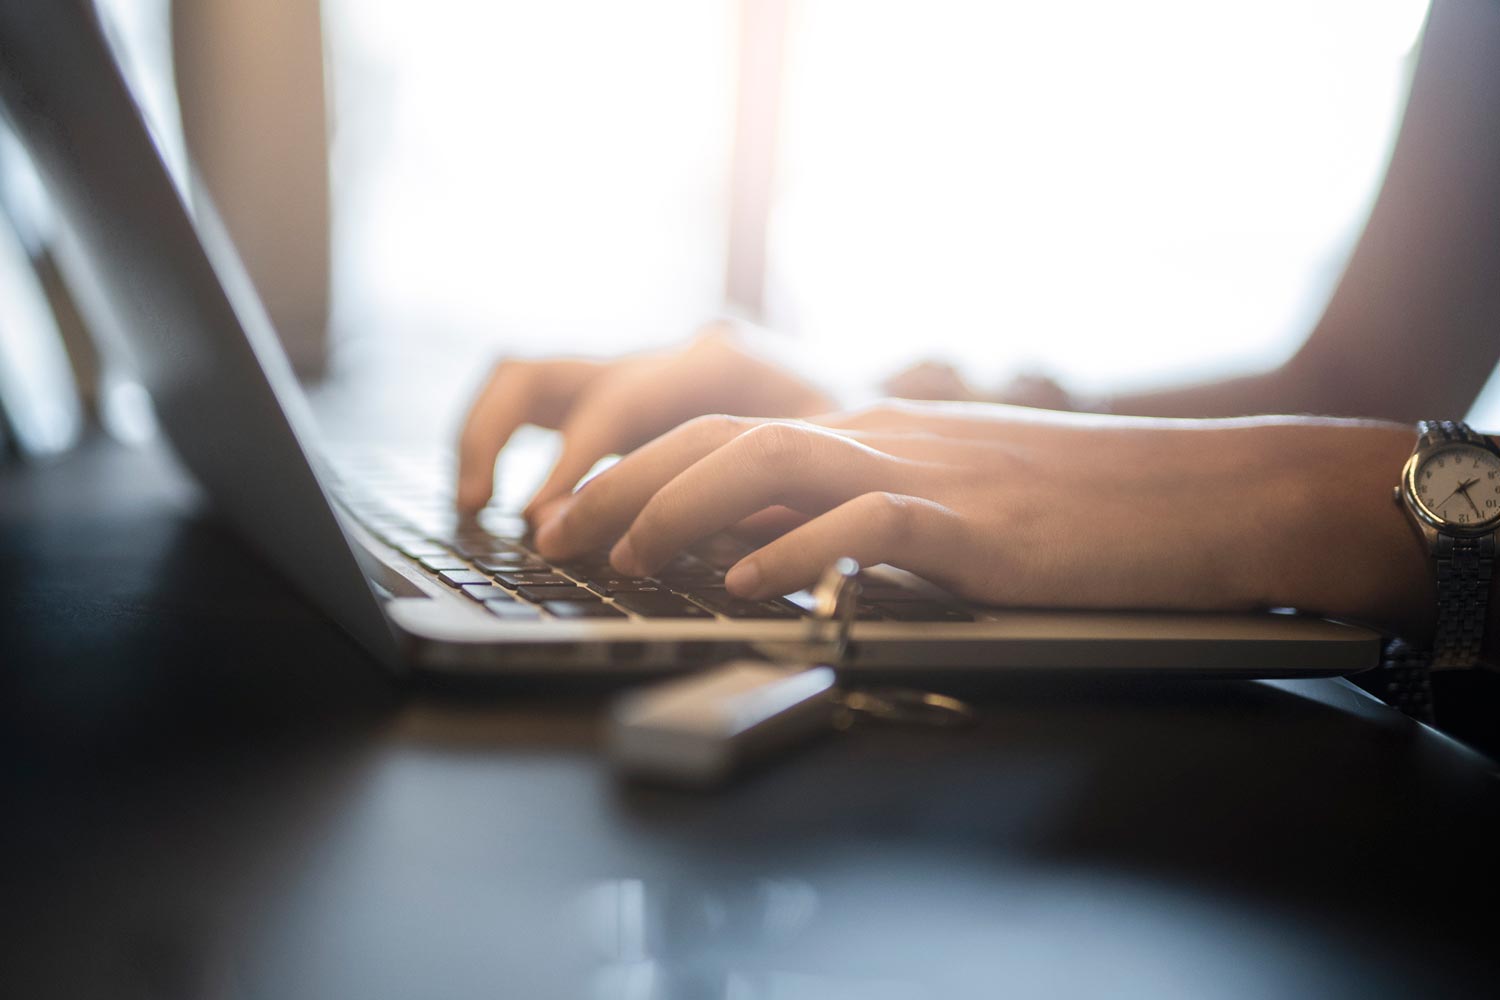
(1285,390)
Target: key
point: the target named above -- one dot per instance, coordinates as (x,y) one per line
(509,562)
(507,526)
(423,550)
(727,604)
(589,564)
(684,567)
(531,578)
(486,545)
(621,584)
(566,592)
(462,577)
(659,604)
(484,593)
(582,609)
(512,610)
(721,551)
(443,563)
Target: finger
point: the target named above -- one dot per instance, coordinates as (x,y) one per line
(917,535)
(929,380)
(546,511)
(501,407)
(606,505)
(598,426)
(764,525)
(631,405)
(794,465)
(518,392)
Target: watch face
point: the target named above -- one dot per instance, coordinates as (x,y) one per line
(1460,486)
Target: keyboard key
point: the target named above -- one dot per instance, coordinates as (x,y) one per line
(686,567)
(410,542)
(557,592)
(924,611)
(512,610)
(531,578)
(485,545)
(863,611)
(659,604)
(423,550)
(443,563)
(725,603)
(484,593)
(510,562)
(622,584)
(721,551)
(582,609)
(588,564)
(462,577)
(507,526)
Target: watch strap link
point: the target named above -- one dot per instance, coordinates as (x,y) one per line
(1464,568)
(1403,680)
(1443,431)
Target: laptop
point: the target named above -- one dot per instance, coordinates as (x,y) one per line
(373,540)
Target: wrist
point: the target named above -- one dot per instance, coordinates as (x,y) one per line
(1346,549)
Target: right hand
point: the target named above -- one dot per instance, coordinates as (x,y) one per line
(609,407)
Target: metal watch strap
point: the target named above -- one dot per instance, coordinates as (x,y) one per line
(1442,431)
(1403,680)
(1464,567)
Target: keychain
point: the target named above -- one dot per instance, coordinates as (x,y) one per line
(699,730)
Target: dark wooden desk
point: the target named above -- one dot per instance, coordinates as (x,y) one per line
(208,791)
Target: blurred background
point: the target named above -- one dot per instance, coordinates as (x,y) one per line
(1118,195)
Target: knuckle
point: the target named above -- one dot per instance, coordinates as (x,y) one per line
(504,370)
(778,445)
(473,440)
(713,426)
(889,514)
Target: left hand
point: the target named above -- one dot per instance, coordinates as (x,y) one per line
(1003,505)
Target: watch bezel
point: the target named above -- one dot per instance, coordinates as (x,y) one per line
(1419,458)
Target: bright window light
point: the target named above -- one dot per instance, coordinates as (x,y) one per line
(1114,193)
(1117,194)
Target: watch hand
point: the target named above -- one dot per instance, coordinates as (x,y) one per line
(1444,502)
(1471,502)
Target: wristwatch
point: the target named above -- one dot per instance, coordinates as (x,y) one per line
(1450,488)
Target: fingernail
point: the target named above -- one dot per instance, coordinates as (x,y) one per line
(547,534)
(622,558)
(744,578)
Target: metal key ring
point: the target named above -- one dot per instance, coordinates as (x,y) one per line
(834,602)
(909,706)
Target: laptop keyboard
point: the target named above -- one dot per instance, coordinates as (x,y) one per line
(488,558)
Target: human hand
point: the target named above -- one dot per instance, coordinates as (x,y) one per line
(1025,508)
(605,407)
(940,381)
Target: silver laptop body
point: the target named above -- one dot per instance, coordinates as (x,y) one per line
(226,398)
